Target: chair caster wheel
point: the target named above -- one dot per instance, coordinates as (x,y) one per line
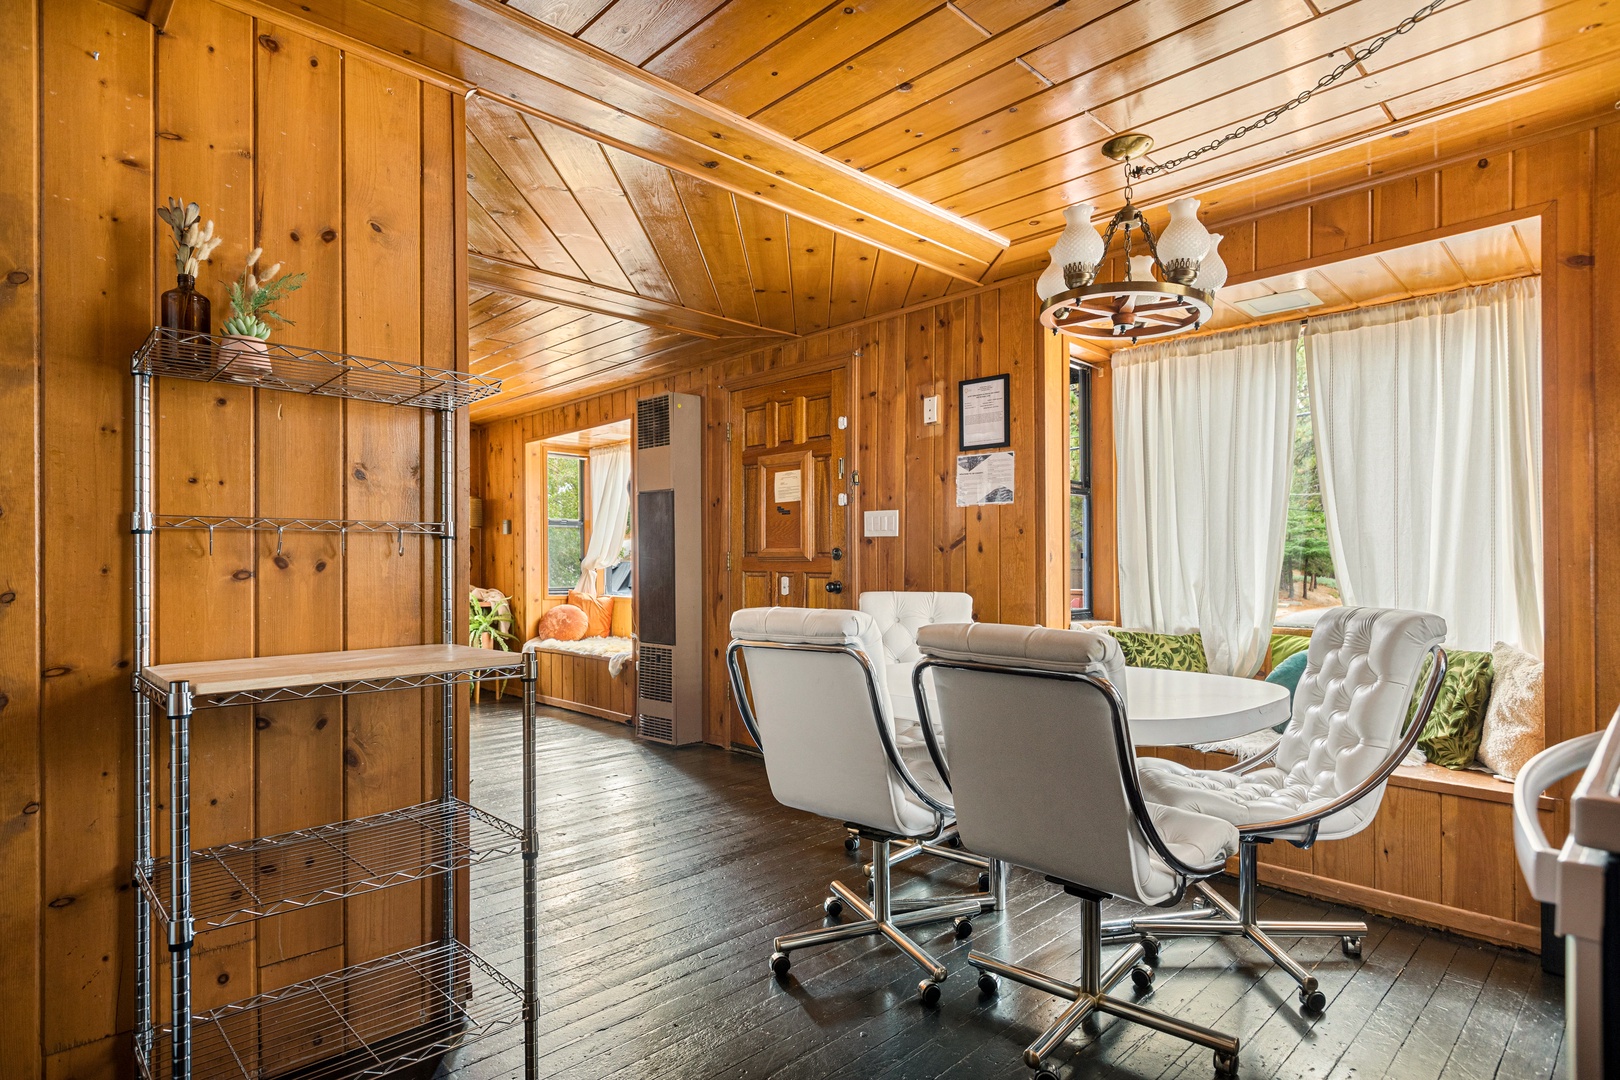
(1351,946)
(964,927)
(852,843)
(780,963)
(1046,1072)
(1225,1064)
(989,984)
(984,881)
(833,906)
(954,841)
(1150,949)
(1312,1002)
(1142,978)
(928,992)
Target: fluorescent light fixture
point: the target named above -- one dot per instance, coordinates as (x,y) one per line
(1277,303)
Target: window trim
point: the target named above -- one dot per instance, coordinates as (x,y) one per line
(1078,377)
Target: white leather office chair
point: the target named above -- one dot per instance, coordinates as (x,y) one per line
(1322,780)
(811,690)
(1043,773)
(899,615)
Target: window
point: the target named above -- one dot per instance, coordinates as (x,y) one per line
(1308,580)
(1079,493)
(565,520)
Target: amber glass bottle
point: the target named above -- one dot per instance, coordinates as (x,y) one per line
(184,308)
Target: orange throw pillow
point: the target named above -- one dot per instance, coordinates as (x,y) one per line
(599,609)
(565,622)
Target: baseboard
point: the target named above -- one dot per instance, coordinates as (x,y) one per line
(581,707)
(1469,923)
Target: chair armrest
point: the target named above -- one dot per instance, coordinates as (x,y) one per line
(1256,761)
(1379,776)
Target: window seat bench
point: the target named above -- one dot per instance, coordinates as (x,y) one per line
(1440,852)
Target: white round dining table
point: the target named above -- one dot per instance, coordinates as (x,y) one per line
(1179,708)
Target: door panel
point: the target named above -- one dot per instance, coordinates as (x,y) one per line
(789,461)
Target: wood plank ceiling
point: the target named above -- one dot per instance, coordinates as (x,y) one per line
(992,111)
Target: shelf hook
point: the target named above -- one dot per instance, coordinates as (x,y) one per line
(210,539)
(401,534)
(279,530)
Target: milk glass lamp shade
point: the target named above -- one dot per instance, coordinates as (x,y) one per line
(1184,242)
(1212,271)
(1080,243)
(1050,283)
(1141,268)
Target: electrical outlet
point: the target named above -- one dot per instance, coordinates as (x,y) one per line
(883,523)
(931,409)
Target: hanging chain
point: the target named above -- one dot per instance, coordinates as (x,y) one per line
(1140,171)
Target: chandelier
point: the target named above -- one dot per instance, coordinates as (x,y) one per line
(1141,306)
(1170,289)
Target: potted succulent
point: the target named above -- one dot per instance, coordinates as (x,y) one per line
(182,307)
(247,330)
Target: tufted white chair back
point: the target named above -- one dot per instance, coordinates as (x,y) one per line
(899,615)
(1350,706)
(818,714)
(1036,772)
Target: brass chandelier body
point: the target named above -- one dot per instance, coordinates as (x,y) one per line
(1138,308)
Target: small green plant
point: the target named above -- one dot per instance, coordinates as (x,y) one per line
(252,294)
(194,240)
(486,617)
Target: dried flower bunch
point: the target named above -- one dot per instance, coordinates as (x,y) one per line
(194,241)
(253,293)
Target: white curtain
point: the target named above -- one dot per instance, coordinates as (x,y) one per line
(1203,434)
(610,511)
(1428,434)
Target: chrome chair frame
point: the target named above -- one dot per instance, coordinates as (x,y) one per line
(1091,994)
(886,915)
(1217,916)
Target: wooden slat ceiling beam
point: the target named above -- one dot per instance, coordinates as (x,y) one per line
(518,280)
(482,43)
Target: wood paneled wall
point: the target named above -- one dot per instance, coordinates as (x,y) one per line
(1012,559)
(342,169)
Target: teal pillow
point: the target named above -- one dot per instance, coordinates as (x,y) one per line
(1287,674)
(1175,652)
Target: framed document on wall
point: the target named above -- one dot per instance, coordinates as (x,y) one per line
(982,406)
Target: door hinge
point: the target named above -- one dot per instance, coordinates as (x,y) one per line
(728,431)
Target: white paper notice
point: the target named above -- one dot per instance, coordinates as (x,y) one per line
(984,479)
(984,413)
(788,486)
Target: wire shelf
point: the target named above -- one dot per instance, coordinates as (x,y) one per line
(286,525)
(211,358)
(368,1020)
(237,883)
(156,694)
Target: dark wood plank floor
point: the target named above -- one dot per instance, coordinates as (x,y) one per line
(666,873)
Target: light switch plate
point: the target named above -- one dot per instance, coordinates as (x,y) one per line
(931,409)
(883,523)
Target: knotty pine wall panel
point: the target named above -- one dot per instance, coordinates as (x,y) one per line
(340,168)
(999,554)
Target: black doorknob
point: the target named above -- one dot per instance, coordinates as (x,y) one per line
(835,586)
(837,553)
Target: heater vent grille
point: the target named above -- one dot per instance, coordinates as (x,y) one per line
(655,671)
(652,422)
(656,728)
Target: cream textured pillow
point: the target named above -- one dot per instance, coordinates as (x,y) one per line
(1515,728)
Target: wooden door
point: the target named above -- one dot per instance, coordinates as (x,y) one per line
(790,490)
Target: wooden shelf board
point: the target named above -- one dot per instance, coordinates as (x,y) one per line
(213,677)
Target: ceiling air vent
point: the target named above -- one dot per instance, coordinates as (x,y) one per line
(1279,303)
(652,422)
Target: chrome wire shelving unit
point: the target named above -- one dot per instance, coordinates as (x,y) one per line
(382,1015)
